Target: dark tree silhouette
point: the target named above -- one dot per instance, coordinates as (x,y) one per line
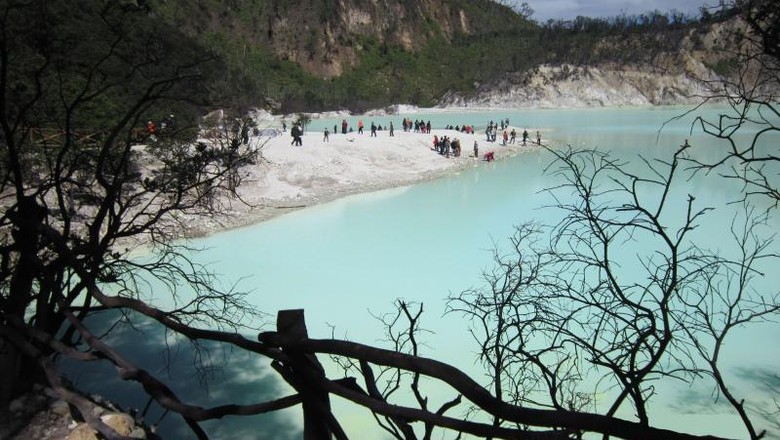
(752,102)
(617,292)
(80,193)
(82,184)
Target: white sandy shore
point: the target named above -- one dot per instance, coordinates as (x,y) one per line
(289,178)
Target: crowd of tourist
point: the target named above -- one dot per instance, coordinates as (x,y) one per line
(419,126)
(445,146)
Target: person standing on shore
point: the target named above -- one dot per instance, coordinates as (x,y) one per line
(326,137)
(296,133)
(151,129)
(344,126)
(360,126)
(391,129)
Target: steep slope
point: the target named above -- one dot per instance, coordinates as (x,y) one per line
(313,55)
(574,86)
(325,37)
(687,70)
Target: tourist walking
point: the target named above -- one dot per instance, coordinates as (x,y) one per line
(296,133)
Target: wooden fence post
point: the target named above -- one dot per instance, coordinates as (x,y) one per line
(291,324)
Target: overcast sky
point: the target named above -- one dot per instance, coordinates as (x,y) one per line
(568,9)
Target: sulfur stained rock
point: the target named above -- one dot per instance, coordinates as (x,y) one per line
(82,432)
(60,407)
(119,422)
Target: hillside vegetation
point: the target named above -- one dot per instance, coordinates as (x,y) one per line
(306,55)
(351,53)
(295,55)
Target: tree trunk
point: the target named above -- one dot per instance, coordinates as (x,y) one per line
(316,404)
(10,363)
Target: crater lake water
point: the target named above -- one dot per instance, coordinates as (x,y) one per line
(348,261)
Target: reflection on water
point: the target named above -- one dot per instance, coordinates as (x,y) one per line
(351,258)
(207,375)
(765,396)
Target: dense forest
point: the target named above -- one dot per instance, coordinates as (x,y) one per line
(312,56)
(290,56)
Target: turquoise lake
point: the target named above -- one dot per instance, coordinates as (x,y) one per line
(347,261)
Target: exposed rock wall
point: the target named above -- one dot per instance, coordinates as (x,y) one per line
(325,37)
(571,86)
(685,75)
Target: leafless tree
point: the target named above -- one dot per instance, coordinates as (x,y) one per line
(750,93)
(504,316)
(82,184)
(79,194)
(617,292)
(403,331)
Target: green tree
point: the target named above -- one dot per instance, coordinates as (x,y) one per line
(303,120)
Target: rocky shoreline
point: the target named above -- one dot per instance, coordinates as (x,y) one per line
(41,414)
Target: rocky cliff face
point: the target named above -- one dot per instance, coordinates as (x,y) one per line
(586,86)
(325,37)
(685,76)
(358,54)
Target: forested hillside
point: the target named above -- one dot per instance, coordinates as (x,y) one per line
(327,54)
(314,55)
(305,55)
